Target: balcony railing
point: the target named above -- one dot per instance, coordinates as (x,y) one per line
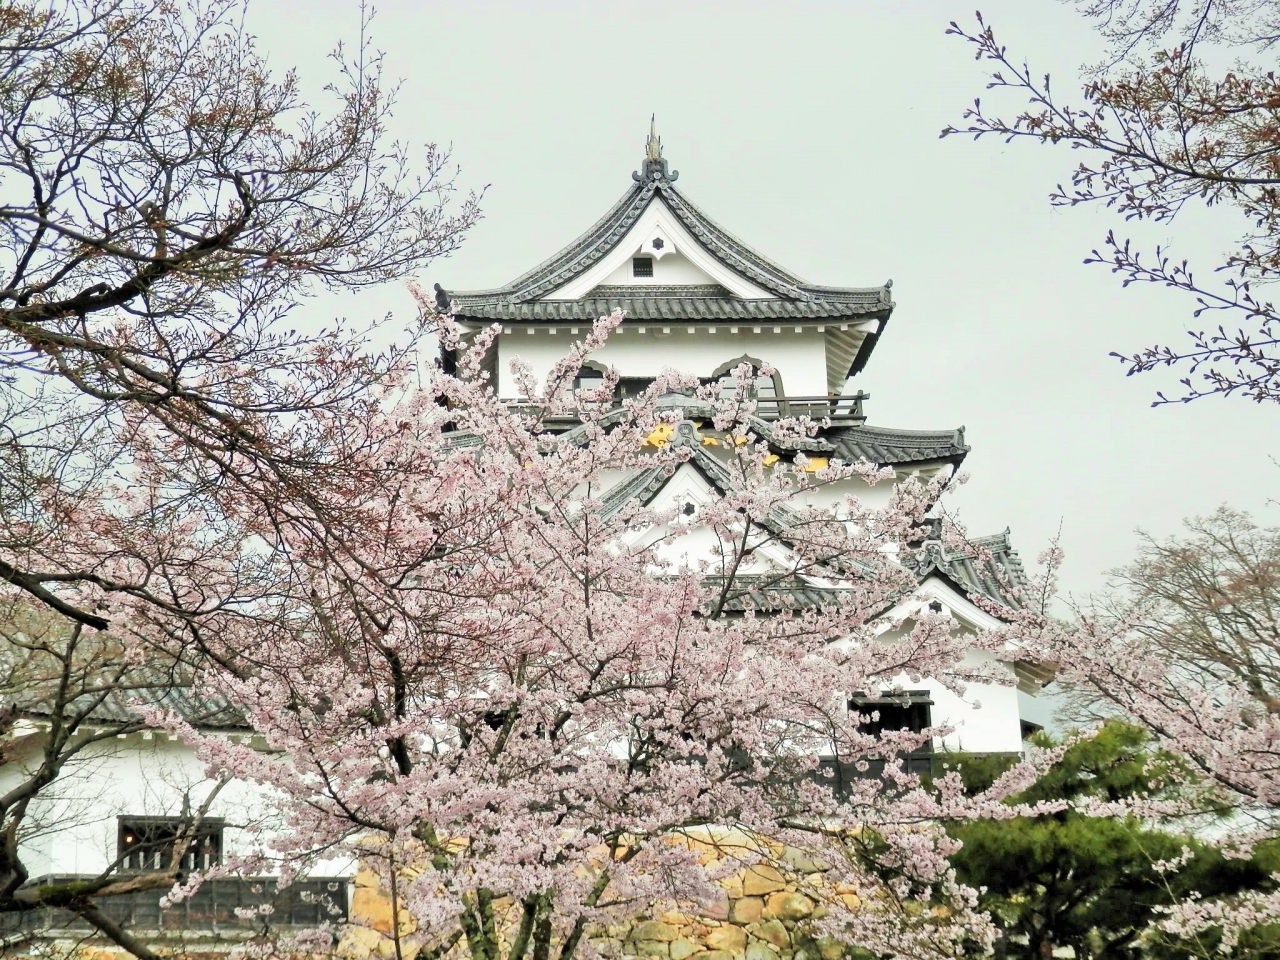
(212,909)
(843,408)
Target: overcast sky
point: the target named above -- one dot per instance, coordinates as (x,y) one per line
(811,131)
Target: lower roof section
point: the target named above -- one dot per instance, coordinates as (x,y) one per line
(987,567)
(847,442)
(885,445)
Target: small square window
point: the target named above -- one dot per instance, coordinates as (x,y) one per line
(642,267)
(146,844)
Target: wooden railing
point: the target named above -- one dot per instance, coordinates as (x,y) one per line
(845,408)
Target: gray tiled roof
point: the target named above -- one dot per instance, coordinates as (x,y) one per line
(888,446)
(520,300)
(1000,578)
(120,707)
(991,568)
(791,593)
(608,231)
(674,305)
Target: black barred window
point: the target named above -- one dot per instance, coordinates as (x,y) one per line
(906,711)
(642,267)
(147,843)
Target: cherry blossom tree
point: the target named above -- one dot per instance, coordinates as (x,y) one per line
(166,437)
(1181,114)
(546,699)
(480,665)
(1184,646)
(168,203)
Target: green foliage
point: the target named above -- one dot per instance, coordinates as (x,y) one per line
(1091,883)
(1257,943)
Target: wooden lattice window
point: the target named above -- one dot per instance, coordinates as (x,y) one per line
(886,712)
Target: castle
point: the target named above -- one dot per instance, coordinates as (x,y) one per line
(695,298)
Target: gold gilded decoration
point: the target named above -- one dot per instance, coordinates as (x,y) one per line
(660,436)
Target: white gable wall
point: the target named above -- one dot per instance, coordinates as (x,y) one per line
(658,223)
(672,270)
(692,547)
(987,717)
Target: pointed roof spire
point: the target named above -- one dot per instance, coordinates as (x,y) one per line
(653,146)
(654,168)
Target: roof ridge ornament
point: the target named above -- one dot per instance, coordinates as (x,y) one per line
(654,168)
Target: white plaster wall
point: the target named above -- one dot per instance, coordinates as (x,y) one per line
(986,719)
(691,547)
(832,495)
(800,358)
(74,825)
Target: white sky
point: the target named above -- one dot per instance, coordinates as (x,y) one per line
(811,131)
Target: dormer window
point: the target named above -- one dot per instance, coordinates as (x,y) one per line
(765,390)
(642,267)
(590,377)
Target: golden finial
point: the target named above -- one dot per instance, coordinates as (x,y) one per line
(653,146)
(654,170)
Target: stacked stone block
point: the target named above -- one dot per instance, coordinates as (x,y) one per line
(761,915)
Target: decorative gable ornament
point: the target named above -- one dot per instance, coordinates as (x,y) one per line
(654,166)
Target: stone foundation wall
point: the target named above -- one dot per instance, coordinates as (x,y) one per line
(761,916)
